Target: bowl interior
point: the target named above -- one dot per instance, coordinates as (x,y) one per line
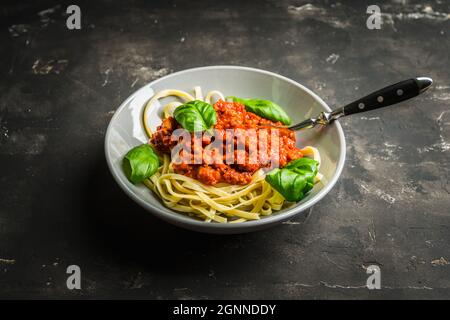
(126,131)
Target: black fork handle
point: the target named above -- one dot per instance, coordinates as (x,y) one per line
(389,95)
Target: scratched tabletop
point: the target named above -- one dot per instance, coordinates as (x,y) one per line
(59,205)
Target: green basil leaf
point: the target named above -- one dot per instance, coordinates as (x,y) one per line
(264,108)
(195,116)
(295,180)
(140,163)
(305,166)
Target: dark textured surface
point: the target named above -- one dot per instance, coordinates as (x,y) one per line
(60,206)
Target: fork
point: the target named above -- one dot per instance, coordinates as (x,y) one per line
(387,96)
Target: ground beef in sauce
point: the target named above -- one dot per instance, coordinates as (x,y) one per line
(213,166)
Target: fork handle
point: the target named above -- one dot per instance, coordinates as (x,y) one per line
(389,95)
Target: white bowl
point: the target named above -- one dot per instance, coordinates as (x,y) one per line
(126,131)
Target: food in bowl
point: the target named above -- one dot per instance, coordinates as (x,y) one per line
(225,160)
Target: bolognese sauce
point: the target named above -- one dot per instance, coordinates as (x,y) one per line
(229,163)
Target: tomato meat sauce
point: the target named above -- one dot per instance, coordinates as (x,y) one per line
(230,156)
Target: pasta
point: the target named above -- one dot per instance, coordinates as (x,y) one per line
(219,202)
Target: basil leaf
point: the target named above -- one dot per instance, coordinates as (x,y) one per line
(195,116)
(264,108)
(140,163)
(295,180)
(305,166)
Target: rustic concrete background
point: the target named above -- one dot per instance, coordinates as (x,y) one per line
(59,205)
